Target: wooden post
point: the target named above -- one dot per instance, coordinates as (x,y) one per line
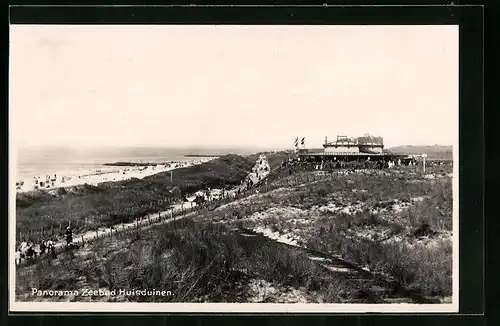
(97,234)
(83,242)
(423,166)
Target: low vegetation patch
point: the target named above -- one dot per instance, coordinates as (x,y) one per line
(395,222)
(89,207)
(389,242)
(195,261)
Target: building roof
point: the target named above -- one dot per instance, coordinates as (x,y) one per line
(340,144)
(351,154)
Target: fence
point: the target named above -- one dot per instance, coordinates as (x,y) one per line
(172,214)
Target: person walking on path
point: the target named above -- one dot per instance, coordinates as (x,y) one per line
(51,248)
(69,236)
(43,247)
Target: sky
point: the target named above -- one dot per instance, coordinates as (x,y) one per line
(231,86)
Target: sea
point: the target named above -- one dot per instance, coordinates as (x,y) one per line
(31,162)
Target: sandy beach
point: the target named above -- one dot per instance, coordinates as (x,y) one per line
(97,176)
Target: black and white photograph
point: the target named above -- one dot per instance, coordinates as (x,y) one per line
(233,168)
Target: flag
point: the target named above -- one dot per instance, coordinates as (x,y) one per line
(303,140)
(296,141)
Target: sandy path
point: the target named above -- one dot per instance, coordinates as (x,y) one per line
(338,265)
(153,219)
(260,171)
(142,223)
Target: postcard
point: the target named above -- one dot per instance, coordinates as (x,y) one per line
(233,168)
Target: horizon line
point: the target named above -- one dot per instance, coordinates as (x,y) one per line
(195,147)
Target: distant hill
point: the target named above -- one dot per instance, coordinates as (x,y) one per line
(435,151)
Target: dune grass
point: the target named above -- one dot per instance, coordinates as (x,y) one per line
(198,260)
(426,268)
(195,261)
(427,211)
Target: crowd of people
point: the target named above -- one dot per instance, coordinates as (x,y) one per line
(342,164)
(259,173)
(26,250)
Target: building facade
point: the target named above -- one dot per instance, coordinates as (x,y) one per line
(366,144)
(347,149)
